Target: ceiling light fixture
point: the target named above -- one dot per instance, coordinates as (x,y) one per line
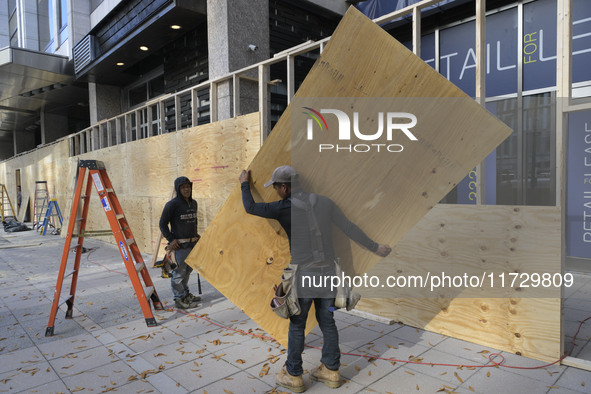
(144,48)
(121,64)
(175,27)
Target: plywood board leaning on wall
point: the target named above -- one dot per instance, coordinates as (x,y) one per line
(493,241)
(242,256)
(143,172)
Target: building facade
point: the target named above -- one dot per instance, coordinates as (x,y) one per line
(102,73)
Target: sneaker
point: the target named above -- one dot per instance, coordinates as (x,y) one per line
(193,298)
(330,378)
(185,303)
(293,383)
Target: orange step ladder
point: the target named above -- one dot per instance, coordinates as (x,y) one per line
(128,248)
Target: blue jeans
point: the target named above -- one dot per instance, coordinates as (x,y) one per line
(331,354)
(180,276)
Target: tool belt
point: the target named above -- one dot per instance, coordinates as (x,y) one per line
(189,240)
(285,300)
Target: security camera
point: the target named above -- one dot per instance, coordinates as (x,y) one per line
(252,47)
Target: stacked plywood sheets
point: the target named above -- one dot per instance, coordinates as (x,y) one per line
(242,255)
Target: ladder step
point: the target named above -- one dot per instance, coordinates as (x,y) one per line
(149,291)
(64,301)
(139,267)
(69,274)
(79,219)
(120,216)
(130,241)
(109,190)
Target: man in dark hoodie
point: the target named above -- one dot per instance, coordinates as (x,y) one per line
(181,213)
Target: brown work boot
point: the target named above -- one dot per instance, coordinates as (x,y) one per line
(294,383)
(330,378)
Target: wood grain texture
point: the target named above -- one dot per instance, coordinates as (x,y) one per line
(360,61)
(495,239)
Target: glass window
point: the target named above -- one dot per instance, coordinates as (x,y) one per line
(539,134)
(45,23)
(63,20)
(156,87)
(507,155)
(137,95)
(13,23)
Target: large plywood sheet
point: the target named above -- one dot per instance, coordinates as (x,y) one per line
(242,256)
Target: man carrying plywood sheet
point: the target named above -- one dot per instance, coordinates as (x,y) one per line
(307,219)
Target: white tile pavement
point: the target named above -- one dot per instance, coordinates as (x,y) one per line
(108,347)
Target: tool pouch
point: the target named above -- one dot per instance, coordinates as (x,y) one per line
(285,300)
(345,296)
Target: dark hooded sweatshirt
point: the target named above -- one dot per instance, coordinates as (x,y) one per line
(181,215)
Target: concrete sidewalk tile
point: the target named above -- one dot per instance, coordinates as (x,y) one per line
(354,336)
(165,384)
(188,326)
(75,363)
(547,374)
(250,353)
(198,374)
(103,336)
(101,378)
(574,379)
(174,354)
(404,380)
(139,386)
(146,342)
(26,376)
(451,374)
(23,358)
(498,380)
(228,316)
(239,383)
(130,329)
(365,371)
(57,386)
(217,339)
(390,347)
(7,318)
(470,351)
(266,371)
(418,336)
(62,346)
(14,338)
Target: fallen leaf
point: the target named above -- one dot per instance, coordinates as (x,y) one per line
(240,361)
(410,373)
(458,377)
